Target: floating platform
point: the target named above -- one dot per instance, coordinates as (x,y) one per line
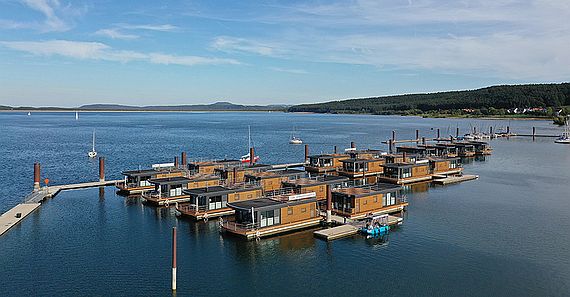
(445,180)
(349,229)
(15,215)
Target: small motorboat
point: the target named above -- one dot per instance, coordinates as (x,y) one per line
(376,225)
(565,136)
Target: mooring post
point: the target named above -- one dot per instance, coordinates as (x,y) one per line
(184,159)
(457,132)
(438,134)
(352,144)
(393,135)
(176,163)
(306,153)
(533,132)
(36,176)
(417,136)
(390,142)
(423,140)
(101,169)
(251,156)
(329,204)
(335,149)
(491,131)
(173,258)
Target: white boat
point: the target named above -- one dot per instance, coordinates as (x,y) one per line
(29,113)
(247,158)
(76,116)
(565,136)
(294,139)
(92,153)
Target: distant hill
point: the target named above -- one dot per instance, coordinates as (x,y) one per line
(497,97)
(218,106)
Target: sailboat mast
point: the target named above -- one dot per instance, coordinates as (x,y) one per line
(93,141)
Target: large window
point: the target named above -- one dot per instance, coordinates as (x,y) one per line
(269,218)
(406,172)
(389,199)
(215,202)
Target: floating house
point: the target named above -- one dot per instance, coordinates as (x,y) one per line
(445,166)
(482,148)
(366,154)
(325,164)
(317,185)
(209,202)
(137,181)
(464,149)
(269,216)
(167,190)
(236,174)
(271,180)
(442,149)
(359,202)
(409,172)
(399,158)
(209,167)
(171,189)
(362,171)
(421,151)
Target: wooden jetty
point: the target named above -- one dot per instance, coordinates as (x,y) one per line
(33,200)
(349,229)
(445,180)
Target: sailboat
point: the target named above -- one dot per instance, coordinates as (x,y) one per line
(247,158)
(76,116)
(92,153)
(565,136)
(294,139)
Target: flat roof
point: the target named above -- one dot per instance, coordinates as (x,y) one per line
(201,177)
(169,180)
(276,173)
(218,190)
(329,156)
(396,165)
(244,167)
(368,190)
(143,172)
(325,179)
(267,203)
(354,160)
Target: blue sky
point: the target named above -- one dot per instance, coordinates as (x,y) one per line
(69,53)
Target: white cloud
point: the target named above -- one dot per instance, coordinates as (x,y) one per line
(289,70)
(115,34)
(101,51)
(513,39)
(48,9)
(150,27)
(233,44)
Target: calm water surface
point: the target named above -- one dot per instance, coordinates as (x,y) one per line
(506,234)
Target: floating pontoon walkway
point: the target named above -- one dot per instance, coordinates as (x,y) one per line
(445,180)
(349,229)
(33,200)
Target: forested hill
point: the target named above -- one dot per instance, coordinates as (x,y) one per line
(496,97)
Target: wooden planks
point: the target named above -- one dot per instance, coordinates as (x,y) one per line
(454,179)
(10,218)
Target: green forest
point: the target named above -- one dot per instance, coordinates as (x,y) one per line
(495,100)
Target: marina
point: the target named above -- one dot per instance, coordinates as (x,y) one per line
(292,235)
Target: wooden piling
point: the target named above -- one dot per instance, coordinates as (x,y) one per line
(251,156)
(184,159)
(36,176)
(306,153)
(393,135)
(329,204)
(335,149)
(101,169)
(352,144)
(176,163)
(457,132)
(417,136)
(438,135)
(533,133)
(173,258)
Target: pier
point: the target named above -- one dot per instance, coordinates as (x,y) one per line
(34,199)
(349,229)
(445,180)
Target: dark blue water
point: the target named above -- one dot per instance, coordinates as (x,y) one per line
(506,234)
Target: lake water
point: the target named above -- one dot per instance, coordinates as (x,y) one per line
(506,234)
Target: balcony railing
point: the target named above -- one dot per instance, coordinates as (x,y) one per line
(239,227)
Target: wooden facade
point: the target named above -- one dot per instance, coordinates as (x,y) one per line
(359,202)
(170,190)
(366,154)
(209,167)
(236,174)
(445,166)
(464,149)
(265,217)
(421,151)
(403,173)
(481,148)
(209,202)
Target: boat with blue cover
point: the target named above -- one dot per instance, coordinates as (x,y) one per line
(376,225)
